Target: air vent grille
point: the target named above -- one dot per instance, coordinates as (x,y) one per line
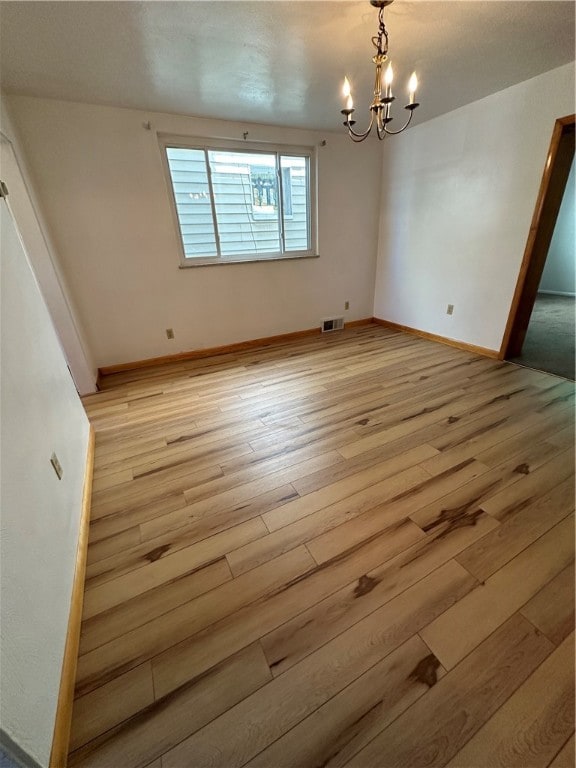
(332,324)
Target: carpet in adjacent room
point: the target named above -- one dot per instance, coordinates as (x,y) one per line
(549,343)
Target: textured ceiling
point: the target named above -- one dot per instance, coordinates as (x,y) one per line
(275,62)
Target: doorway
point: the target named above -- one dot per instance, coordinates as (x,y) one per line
(540,329)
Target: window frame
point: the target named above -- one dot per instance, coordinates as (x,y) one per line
(167,141)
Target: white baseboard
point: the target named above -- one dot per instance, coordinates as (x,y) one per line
(557,293)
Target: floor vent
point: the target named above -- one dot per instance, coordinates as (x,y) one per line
(332,324)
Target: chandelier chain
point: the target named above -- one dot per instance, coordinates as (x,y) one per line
(382,34)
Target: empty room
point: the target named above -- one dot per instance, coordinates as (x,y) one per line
(282,483)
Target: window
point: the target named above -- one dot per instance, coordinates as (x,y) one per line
(236,204)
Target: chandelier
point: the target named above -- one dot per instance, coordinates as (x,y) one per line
(383,98)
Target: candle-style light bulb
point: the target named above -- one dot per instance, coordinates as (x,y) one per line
(388,77)
(349,103)
(346,90)
(412,85)
(389,74)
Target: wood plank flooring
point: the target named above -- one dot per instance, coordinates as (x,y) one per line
(351,550)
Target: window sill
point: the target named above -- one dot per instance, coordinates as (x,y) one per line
(224,262)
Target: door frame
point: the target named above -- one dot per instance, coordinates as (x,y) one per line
(548,203)
(39,253)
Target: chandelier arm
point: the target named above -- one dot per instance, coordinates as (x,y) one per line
(361,136)
(406,124)
(381,132)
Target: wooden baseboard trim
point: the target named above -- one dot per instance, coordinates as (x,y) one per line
(63,722)
(441,339)
(196,354)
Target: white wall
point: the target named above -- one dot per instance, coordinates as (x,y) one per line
(458,194)
(39,524)
(44,259)
(559,271)
(99,175)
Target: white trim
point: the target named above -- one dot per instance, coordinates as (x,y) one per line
(250,260)
(26,219)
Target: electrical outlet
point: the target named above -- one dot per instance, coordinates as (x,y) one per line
(57,466)
(346,305)
(169,333)
(450,309)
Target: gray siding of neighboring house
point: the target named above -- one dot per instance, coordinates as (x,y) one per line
(242,230)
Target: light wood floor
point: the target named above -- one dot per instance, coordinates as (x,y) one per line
(353,550)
